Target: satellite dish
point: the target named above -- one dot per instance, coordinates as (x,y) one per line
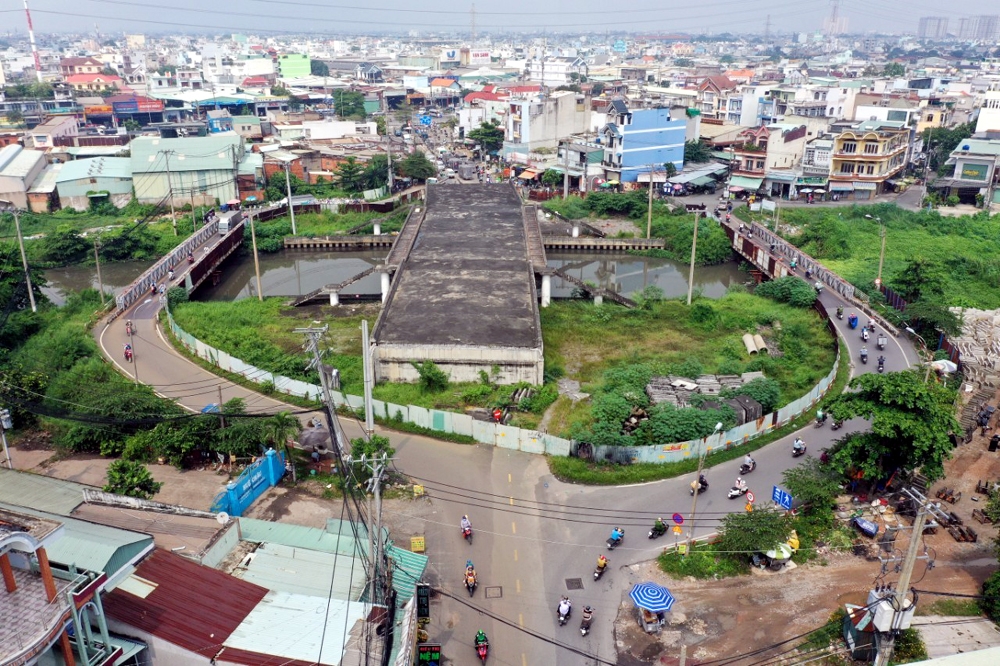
(222,517)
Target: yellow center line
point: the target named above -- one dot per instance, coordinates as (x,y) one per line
(513,528)
(515,556)
(517,585)
(520,619)
(524,660)
(511,501)
(510,479)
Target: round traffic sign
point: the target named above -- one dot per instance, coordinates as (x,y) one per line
(750,496)
(678,518)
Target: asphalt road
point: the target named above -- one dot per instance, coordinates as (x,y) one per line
(533,534)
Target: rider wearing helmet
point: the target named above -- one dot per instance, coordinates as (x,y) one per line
(617,534)
(602,561)
(465,523)
(481,638)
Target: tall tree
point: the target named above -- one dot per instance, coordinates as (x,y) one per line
(281,428)
(349,104)
(697,151)
(350,175)
(318,68)
(376,173)
(489,135)
(911,425)
(417,166)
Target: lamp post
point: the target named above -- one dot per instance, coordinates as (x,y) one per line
(881,253)
(696,487)
(927,353)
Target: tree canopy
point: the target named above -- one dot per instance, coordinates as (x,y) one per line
(417,166)
(318,68)
(349,104)
(753,531)
(911,425)
(489,135)
(350,175)
(697,151)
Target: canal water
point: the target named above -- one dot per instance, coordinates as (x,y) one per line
(293,273)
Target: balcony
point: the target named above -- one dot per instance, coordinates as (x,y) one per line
(28,622)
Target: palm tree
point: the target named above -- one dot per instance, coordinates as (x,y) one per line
(280,428)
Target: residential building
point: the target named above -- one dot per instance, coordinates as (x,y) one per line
(248,127)
(934,112)
(293,65)
(19,168)
(554,72)
(816,161)
(44,136)
(989,113)
(932,27)
(94,82)
(323,130)
(640,142)
(981,28)
(198,169)
(713,92)
(80,182)
(88,65)
(887,107)
(368,72)
(866,158)
(583,162)
(219,120)
(540,121)
(769,158)
(977,172)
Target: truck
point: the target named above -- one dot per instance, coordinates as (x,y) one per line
(467,172)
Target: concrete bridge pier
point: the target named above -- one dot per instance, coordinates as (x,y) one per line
(378,228)
(546,290)
(334,298)
(576,231)
(385,284)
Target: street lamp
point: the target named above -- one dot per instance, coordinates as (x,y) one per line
(927,353)
(696,486)
(881,254)
(9,207)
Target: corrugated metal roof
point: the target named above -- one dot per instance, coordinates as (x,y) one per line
(277,627)
(91,546)
(409,570)
(22,164)
(303,571)
(197,153)
(193,607)
(99,167)
(46,182)
(297,536)
(251,163)
(43,493)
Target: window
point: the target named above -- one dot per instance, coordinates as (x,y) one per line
(871,169)
(849,147)
(847,167)
(871,149)
(930,117)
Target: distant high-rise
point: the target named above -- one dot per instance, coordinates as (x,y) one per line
(933,27)
(983,28)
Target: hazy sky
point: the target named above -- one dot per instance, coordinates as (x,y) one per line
(426,16)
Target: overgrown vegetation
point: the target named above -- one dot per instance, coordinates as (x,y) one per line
(132,479)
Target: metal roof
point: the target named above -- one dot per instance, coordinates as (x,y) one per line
(99,167)
(197,153)
(305,572)
(298,536)
(409,570)
(291,626)
(19,163)
(43,493)
(46,181)
(190,605)
(91,546)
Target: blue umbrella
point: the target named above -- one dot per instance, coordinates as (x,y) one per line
(654,598)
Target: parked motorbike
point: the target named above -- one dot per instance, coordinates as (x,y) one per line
(737,491)
(657,532)
(746,469)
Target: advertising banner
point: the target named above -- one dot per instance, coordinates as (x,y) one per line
(479,57)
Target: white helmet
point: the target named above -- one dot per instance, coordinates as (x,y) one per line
(739,479)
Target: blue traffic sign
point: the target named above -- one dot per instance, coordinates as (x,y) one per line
(424,120)
(782,498)
(678,518)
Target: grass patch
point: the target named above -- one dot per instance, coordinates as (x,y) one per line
(328,223)
(966,248)
(575,470)
(830,633)
(704,561)
(951,607)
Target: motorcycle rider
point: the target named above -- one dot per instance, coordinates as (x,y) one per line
(466,525)
(588,615)
(658,526)
(702,481)
(820,416)
(602,562)
(840,313)
(864,353)
(481,638)
(748,461)
(798,444)
(565,606)
(741,484)
(881,361)
(617,534)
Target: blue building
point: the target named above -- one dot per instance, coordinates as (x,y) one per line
(635,140)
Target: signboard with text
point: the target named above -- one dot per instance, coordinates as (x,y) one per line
(477,57)
(429,654)
(974,171)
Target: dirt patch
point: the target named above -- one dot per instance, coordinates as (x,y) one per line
(36,440)
(725,618)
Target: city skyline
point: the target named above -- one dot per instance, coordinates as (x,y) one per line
(750,17)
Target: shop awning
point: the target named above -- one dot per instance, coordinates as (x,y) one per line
(529,173)
(841,187)
(703,181)
(865,186)
(746,183)
(782,177)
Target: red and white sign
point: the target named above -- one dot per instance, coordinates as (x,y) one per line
(750,496)
(479,57)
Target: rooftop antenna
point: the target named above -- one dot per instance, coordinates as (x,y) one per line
(34,47)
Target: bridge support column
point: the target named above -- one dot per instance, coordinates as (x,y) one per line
(378,228)
(598,299)
(385,286)
(576,231)
(334,298)
(546,290)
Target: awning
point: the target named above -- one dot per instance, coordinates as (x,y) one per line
(746,183)
(891,183)
(528,173)
(841,187)
(658,177)
(782,177)
(129,648)
(703,181)
(865,186)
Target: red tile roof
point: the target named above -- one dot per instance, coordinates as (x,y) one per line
(193,607)
(442,83)
(255,81)
(93,78)
(523,89)
(488,96)
(76,62)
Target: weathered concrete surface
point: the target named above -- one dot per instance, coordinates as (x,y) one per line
(465,296)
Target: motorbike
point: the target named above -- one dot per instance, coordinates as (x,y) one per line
(564,617)
(471,585)
(737,491)
(657,532)
(864,358)
(881,342)
(800,451)
(599,571)
(881,365)
(840,313)
(852,321)
(467,534)
(129,329)
(820,420)
(128,355)
(746,469)
(837,425)
(614,543)
(585,624)
(483,650)
(864,334)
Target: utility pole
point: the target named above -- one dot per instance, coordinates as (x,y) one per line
(288,188)
(696,487)
(565,171)
(881,255)
(369,377)
(12,209)
(256,257)
(97,262)
(5,425)
(649,206)
(170,191)
(694,247)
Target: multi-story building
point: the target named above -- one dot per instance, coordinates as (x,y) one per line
(989,113)
(642,141)
(556,71)
(769,158)
(983,28)
(293,65)
(88,65)
(977,167)
(713,93)
(540,121)
(932,27)
(867,157)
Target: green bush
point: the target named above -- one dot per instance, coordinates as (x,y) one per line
(432,378)
(126,477)
(764,390)
(791,290)
(990,603)
(703,562)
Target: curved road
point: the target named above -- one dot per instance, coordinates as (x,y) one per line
(531,537)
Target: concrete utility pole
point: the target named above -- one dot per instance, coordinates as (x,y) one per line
(565,171)
(288,188)
(97,262)
(170,191)
(694,247)
(256,257)
(649,206)
(694,495)
(369,377)
(5,425)
(8,206)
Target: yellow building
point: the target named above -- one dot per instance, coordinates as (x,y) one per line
(866,158)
